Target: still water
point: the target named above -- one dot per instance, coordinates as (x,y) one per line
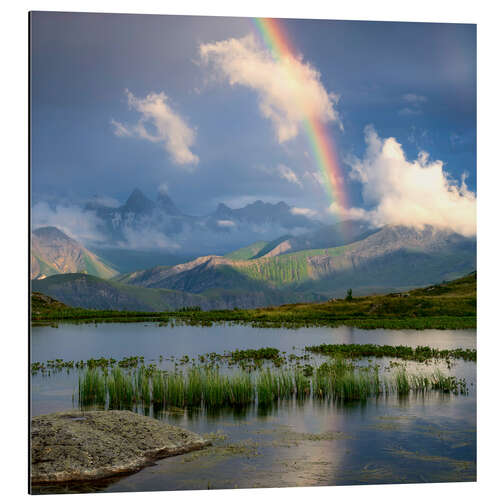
(419,438)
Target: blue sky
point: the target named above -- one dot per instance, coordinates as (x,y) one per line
(413,82)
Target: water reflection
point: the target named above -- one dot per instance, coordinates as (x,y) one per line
(387,439)
(413,439)
(119,340)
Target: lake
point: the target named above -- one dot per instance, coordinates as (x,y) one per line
(391,439)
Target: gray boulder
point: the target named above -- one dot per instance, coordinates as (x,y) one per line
(83,446)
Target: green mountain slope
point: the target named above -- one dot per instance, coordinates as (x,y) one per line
(335,235)
(394,258)
(126,260)
(389,259)
(247,252)
(90,292)
(269,247)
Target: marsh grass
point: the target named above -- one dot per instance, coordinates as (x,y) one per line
(342,380)
(402,381)
(267,386)
(302,384)
(441,382)
(122,392)
(209,388)
(256,359)
(142,385)
(241,390)
(92,388)
(419,353)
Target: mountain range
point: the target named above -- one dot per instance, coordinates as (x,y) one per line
(394,256)
(316,265)
(141,223)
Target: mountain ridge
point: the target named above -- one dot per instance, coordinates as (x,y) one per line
(220,231)
(392,256)
(91,292)
(54,252)
(387,259)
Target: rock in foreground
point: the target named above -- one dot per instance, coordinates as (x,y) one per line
(76,445)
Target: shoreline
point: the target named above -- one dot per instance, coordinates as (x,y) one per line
(424,323)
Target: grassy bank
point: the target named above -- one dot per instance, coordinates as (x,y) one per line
(450,305)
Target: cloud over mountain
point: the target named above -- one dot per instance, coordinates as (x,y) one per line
(69,218)
(411,193)
(288,89)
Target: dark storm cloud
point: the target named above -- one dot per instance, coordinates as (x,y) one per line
(81,64)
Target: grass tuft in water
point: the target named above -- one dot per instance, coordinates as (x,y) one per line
(336,380)
(92,388)
(122,391)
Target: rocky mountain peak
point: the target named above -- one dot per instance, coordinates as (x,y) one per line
(222,210)
(51,233)
(165,203)
(138,202)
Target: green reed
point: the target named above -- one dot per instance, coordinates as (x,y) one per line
(267,385)
(445,384)
(92,388)
(302,384)
(175,390)
(419,353)
(194,387)
(122,391)
(208,387)
(241,389)
(215,393)
(142,387)
(402,381)
(341,380)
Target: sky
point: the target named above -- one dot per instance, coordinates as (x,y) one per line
(201,108)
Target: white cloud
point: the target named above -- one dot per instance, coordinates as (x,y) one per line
(414,103)
(411,193)
(352,213)
(70,219)
(120,130)
(163,188)
(105,201)
(414,99)
(226,223)
(288,90)
(147,237)
(315,177)
(170,129)
(288,174)
(308,212)
(410,111)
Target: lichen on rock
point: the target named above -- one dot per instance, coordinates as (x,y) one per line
(88,445)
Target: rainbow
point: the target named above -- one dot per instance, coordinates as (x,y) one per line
(322,147)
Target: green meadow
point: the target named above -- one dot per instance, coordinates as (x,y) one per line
(449,305)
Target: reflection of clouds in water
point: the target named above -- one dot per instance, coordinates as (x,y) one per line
(300,445)
(291,451)
(440,339)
